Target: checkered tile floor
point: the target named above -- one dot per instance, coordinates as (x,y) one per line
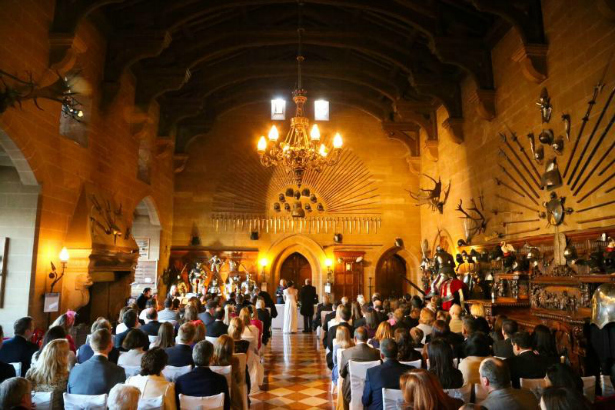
(296,374)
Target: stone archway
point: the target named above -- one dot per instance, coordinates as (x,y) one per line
(412,266)
(310,249)
(146,230)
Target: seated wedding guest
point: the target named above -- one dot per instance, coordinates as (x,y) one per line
(51,373)
(441,330)
(412,320)
(6,370)
(343,321)
(223,356)
(152,325)
(181,354)
(435,304)
(121,327)
(469,326)
(150,380)
(176,305)
(217,327)
(235,330)
(544,343)
(442,366)
(131,321)
(384,376)
(54,333)
(123,397)
(252,322)
(150,304)
(97,375)
(329,317)
(422,390)
(476,350)
(477,310)
(562,375)
(495,378)
(483,326)
(361,320)
(397,320)
(371,322)
(134,344)
(417,336)
(456,322)
(143,298)
(207,317)
(264,316)
(199,331)
(425,322)
(66,321)
(168,313)
(16,394)
(337,318)
(503,348)
(384,332)
(355,312)
(405,346)
(166,336)
(342,341)
(190,314)
(496,334)
(85,351)
(229,313)
(525,363)
(202,381)
(361,352)
(19,348)
(321,307)
(561,398)
(443,315)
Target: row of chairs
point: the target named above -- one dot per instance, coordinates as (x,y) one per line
(80,402)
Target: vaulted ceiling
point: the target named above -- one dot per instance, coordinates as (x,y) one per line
(394,59)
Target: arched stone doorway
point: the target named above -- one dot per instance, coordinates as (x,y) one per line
(389,279)
(297,268)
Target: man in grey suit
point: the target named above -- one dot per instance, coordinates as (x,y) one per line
(361,352)
(495,377)
(96,375)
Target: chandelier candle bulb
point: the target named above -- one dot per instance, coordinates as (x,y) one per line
(315,133)
(323,150)
(262,144)
(273,133)
(337,141)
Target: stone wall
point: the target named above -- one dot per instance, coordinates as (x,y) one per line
(60,166)
(215,157)
(580,43)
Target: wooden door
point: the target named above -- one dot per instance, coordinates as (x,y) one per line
(296,268)
(348,280)
(389,280)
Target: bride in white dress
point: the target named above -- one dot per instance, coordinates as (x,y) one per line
(290,308)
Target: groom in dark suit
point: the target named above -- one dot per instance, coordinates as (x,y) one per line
(308,298)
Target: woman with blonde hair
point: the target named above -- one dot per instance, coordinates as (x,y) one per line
(426,319)
(223,356)
(166,336)
(51,372)
(338,316)
(255,367)
(235,329)
(229,311)
(422,391)
(54,332)
(190,314)
(200,332)
(477,310)
(384,331)
(342,341)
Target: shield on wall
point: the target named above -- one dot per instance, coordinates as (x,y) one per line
(555,210)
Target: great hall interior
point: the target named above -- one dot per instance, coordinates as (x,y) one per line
(402,155)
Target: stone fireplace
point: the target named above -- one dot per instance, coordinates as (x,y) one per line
(103,257)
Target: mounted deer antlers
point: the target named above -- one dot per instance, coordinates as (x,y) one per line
(431,197)
(474,224)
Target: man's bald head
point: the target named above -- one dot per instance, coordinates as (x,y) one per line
(455,310)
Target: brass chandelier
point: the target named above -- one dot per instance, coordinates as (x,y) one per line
(299,151)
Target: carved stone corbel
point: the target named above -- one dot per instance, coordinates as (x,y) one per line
(414,165)
(533,60)
(454,126)
(164,147)
(64,49)
(431,149)
(485,103)
(406,133)
(139,121)
(179,163)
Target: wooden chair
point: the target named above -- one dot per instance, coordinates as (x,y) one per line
(83,401)
(171,373)
(357,373)
(392,399)
(206,403)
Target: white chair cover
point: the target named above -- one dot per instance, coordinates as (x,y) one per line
(455,362)
(414,363)
(243,387)
(171,373)
(211,339)
(84,402)
(392,399)
(151,338)
(225,371)
(151,403)
(357,372)
(606,385)
(589,387)
(43,400)
(419,349)
(202,403)
(131,370)
(17,366)
(536,386)
(339,360)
